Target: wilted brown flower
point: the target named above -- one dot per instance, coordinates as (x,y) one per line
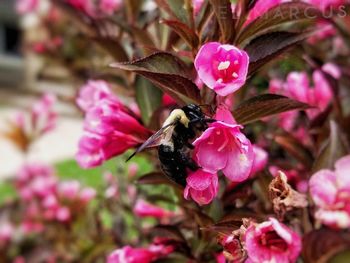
(283,197)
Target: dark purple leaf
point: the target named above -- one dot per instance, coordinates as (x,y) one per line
(265,105)
(167,72)
(319,246)
(295,148)
(186,33)
(223,12)
(265,48)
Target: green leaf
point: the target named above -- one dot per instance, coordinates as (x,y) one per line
(265,105)
(276,16)
(332,151)
(267,47)
(167,72)
(223,12)
(148,98)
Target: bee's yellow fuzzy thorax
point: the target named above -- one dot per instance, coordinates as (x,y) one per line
(179,115)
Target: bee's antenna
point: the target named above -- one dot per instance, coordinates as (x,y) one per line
(131,156)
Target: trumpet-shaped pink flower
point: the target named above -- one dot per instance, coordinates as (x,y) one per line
(330,191)
(145,209)
(129,254)
(223,147)
(272,241)
(222,68)
(109,131)
(202,187)
(93,92)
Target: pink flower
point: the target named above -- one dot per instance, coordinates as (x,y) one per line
(222,68)
(332,69)
(330,191)
(87,194)
(128,254)
(69,189)
(93,92)
(26,6)
(223,147)
(319,96)
(260,8)
(260,159)
(145,209)
(272,241)
(108,7)
(109,131)
(202,187)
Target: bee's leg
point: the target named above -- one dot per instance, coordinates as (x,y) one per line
(190,145)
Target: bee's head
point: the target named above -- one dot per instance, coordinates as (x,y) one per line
(193,112)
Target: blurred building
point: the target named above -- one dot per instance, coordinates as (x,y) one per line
(11,61)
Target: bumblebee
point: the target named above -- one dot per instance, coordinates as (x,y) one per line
(174,141)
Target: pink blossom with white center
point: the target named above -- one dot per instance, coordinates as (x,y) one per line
(332,69)
(272,241)
(26,6)
(330,191)
(201,186)
(222,68)
(145,209)
(223,147)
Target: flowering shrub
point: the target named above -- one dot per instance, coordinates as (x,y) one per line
(246,107)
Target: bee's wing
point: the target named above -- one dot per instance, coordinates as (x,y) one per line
(155,140)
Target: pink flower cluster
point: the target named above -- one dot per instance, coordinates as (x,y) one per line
(128,254)
(46,199)
(223,68)
(222,147)
(41,118)
(330,190)
(297,86)
(100,8)
(110,128)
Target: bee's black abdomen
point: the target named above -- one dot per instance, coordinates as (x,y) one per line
(172,164)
